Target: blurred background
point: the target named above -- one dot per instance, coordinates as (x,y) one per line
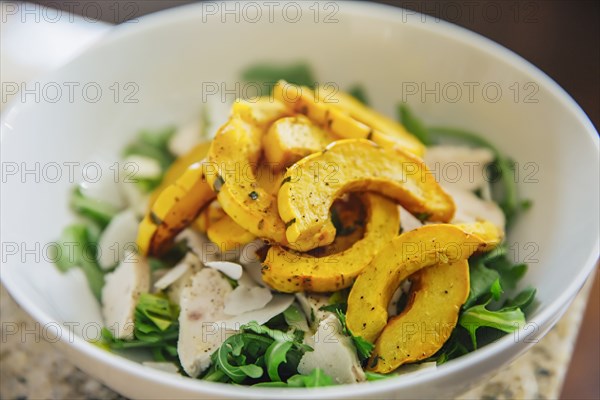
(561,37)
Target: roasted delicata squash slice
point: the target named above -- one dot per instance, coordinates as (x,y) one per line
(260,111)
(234,155)
(175,208)
(345,117)
(387,132)
(208,216)
(288,271)
(227,232)
(312,184)
(269,177)
(431,313)
(292,138)
(228,235)
(406,254)
(179,166)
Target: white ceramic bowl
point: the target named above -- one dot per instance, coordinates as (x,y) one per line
(170,55)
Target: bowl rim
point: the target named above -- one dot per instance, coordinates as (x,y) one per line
(352,9)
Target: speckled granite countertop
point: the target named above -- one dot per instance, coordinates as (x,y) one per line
(34,369)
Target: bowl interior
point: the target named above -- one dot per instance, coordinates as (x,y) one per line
(170,64)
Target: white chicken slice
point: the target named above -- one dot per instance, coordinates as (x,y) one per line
(333,352)
(121,291)
(459,166)
(202,303)
(470,208)
(175,288)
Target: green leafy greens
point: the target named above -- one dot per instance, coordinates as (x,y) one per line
(267,75)
(77,248)
(359,93)
(488,312)
(262,356)
(156,327)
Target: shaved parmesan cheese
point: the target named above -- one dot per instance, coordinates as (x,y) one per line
(172,275)
(333,352)
(232,270)
(246,280)
(244,299)
(276,306)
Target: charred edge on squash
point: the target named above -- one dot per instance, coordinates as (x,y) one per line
(290,223)
(154,218)
(219,182)
(286,180)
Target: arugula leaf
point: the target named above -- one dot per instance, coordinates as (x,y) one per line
(359,93)
(482,279)
(506,319)
(413,124)
(523,300)
(77,247)
(237,366)
(364,348)
(267,75)
(454,347)
(316,378)
(276,355)
(274,334)
(496,290)
(334,308)
(510,274)
(245,357)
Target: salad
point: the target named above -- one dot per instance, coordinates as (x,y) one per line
(302,239)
